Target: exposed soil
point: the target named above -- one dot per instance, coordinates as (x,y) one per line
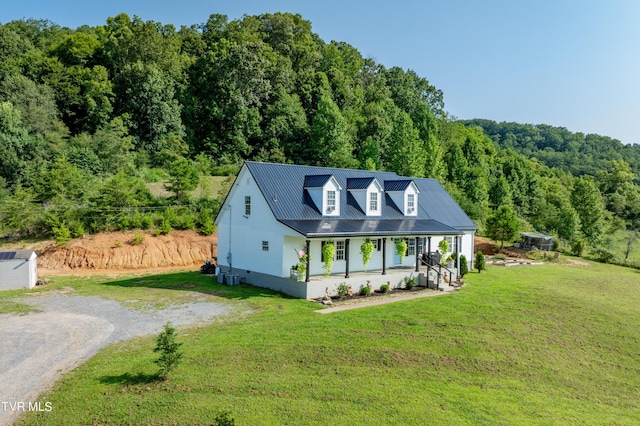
(488,248)
(116,252)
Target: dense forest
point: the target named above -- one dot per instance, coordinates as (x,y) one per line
(90,116)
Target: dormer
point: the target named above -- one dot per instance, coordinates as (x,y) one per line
(404,193)
(368,194)
(324,190)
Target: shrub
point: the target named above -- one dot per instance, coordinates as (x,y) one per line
(77,229)
(169,349)
(480,263)
(603,254)
(62,235)
(224,418)
(577,246)
(384,288)
(410,282)
(343,289)
(500,256)
(117,244)
(165,227)
(138,238)
(464,266)
(365,290)
(146,222)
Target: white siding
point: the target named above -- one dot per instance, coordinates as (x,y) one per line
(18,273)
(249,231)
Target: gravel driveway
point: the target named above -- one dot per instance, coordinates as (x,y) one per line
(37,348)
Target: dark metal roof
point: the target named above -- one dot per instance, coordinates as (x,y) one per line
(369,227)
(440,206)
(316,181)
(282,186)
(397,185)
(359,183)
(16,254)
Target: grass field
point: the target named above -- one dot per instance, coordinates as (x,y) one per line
(530,345)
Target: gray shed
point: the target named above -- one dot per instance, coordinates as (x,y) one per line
(18,269)
(536,240)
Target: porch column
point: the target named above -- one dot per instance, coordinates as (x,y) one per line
(306,278)
(429,250)
(459,244)
(346,257)
(417,256)
(384,256)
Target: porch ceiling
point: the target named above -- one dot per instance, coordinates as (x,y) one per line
(369,227)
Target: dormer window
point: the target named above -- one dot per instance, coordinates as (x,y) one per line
(324,191)
(366,193)
(404,195)
(331,201)
(373,202)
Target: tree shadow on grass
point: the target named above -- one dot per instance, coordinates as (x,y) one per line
(198,282)
(128,379)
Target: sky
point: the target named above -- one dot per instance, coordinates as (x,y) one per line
(566,63)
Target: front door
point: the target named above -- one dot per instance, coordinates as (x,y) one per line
(397,260)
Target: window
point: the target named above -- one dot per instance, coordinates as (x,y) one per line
(339,250)
(373,202)
(265,246)
(247,205)
(376,245)
(411,204)
(331,201)
(411,247)
(421,245)
(450,242)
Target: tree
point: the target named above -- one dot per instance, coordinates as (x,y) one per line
(503,225)
(587,201)
(183,177)
(480,262)
(169,349)
(147,94)
(464,266)
(330,142)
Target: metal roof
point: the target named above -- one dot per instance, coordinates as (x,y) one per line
(359,183)
(283,187)
(316,181)
(16,254)
(397,185)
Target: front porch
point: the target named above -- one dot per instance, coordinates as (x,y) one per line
(318,284)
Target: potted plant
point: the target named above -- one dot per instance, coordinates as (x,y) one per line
(328,251)
(444,249)
(401,249)
(451,262)
(303,257)
(366,249)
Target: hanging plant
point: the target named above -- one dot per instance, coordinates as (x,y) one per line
(328,251)
(366,249)
(401,249)
(443,245)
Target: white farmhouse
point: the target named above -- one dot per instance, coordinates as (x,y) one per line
(276,213)
(17,269)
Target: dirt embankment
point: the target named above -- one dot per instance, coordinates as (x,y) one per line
(118,251)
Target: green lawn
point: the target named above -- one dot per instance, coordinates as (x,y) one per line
(528,345)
